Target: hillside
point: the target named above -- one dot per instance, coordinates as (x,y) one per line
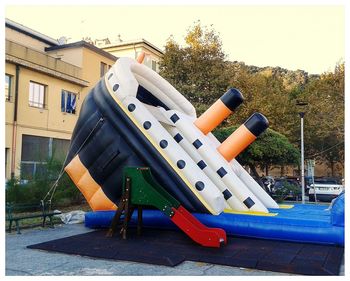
(291,78)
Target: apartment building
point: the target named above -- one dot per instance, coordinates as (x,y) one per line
(45,85)
(46,81)
(132,49)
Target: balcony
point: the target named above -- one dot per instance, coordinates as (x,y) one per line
(42,62)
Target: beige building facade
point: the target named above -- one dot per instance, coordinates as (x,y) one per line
(46,81)
(45,85)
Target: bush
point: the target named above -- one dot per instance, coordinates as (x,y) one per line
(16,193)
(35,190)
(67,193)
(285,191)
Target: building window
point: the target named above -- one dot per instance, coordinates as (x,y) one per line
(59,149)
(68,102)
(103,69)
(37,150)
(154,65)
(8,87)
(37,94)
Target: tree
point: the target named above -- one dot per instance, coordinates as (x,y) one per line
(199,70)
(196,69)
(265,93)
(270,149)
(324,119)
(201,73)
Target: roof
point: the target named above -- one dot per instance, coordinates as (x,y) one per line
(84,44)
(134,42)
(30,32)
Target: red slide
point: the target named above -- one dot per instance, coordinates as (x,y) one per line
(198,232)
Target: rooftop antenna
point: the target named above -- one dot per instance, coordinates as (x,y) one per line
(62,40)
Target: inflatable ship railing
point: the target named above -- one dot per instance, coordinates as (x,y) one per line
(134,117)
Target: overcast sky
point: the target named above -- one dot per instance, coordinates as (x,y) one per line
(311,38)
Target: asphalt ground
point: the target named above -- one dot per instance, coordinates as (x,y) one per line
(22,261)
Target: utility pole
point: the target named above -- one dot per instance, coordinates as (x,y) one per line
(302,174)
(302,156)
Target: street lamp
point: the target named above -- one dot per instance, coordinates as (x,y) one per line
(302,105)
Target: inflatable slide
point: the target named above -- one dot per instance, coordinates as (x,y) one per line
(135,118)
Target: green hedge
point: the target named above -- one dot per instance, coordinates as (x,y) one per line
(36,189)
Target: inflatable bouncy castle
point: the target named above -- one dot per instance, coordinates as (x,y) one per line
(135,118)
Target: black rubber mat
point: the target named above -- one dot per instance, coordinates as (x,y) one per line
(170,248)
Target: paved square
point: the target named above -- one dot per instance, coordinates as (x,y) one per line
(23,261)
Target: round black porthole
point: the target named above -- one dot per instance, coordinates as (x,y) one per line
(181,164)
(147,125)
(199,185)
(163,144)
(115,87)
(131,107)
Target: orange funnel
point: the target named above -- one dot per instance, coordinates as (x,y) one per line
(141,57)
(219,111)
(243,136)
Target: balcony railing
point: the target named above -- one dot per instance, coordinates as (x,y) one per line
(41,59)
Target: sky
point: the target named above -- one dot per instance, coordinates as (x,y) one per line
(311,38)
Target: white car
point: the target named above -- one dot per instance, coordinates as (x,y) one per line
(326,190)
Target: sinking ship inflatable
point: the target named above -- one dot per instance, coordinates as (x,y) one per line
(134,117)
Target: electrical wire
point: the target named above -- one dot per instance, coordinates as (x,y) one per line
(55,184)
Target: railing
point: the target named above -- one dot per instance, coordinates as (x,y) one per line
(41,59)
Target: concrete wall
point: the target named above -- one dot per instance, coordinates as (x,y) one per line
(23,39)
(70,55)
(91,63)
(30,55)
(48,122)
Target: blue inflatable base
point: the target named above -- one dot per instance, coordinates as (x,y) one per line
(302,223)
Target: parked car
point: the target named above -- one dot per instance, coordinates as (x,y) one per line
(268,182)
(286,189)
(326,189)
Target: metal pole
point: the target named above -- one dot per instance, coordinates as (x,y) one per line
(313,183)
(14,128)
(302,157)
